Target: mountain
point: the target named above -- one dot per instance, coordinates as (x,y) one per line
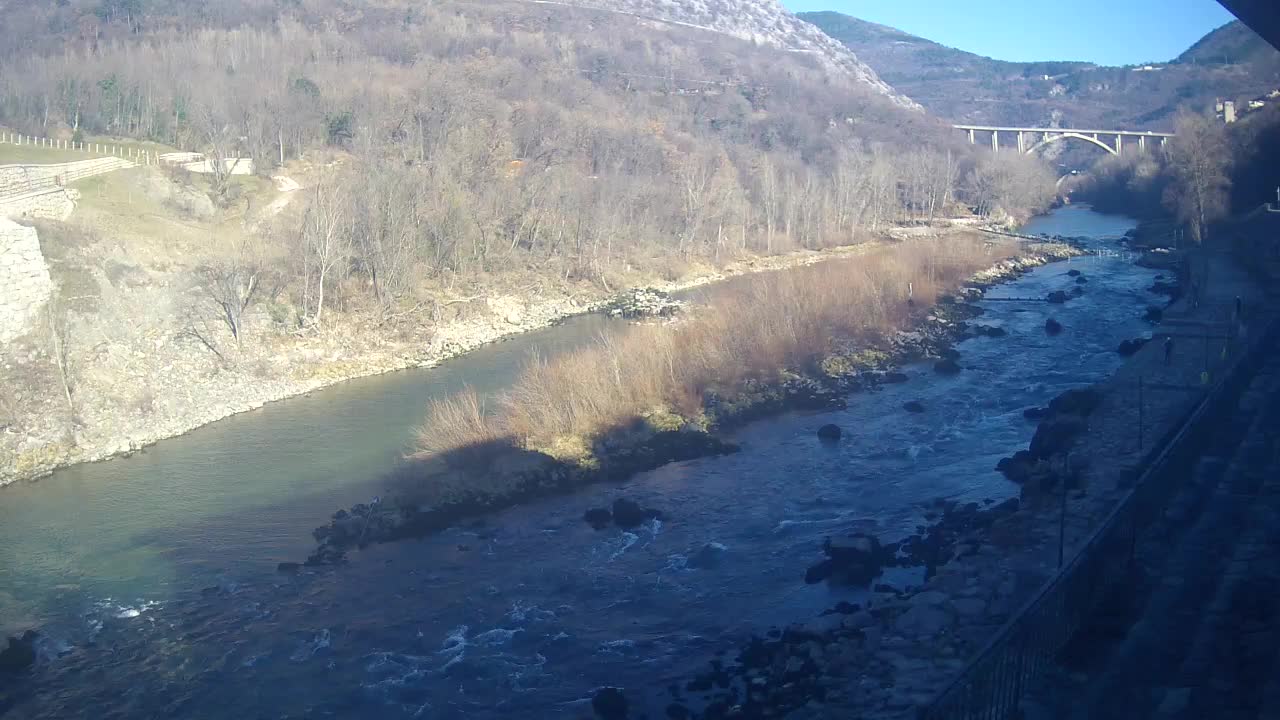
(1231,62)
(765,22)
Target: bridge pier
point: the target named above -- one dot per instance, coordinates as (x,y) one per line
(1022,145)
(971,141)
(995,141)
(1119,144)
(1142,143)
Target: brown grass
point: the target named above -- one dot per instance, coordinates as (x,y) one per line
(750,329)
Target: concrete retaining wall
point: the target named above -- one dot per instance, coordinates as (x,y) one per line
(25,285)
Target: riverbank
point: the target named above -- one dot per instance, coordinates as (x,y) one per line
(892,656)
(491,472)
(178,389)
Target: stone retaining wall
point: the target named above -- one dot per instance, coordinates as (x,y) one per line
(25,285)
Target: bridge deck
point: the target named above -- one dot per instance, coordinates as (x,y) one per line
(1133,133)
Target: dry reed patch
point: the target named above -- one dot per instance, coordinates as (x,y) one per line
(750,331)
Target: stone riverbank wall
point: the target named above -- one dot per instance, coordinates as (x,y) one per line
(25,285)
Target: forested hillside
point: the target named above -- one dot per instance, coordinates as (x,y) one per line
(1231,63)
(467,169)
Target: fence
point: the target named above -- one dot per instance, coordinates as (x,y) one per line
(992,685)
(132,154)
(21,180)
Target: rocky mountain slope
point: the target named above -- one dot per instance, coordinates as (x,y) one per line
(1232,62)
(765,22)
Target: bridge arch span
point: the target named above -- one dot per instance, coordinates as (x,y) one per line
(1075,136)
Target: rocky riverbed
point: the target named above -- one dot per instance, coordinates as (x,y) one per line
(500,476)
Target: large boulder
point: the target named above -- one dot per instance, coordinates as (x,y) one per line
(856,559)
(1073,273)
(1057,297)
(946,366)
(628,513)
(1129,347)
(829,433)
(598,518)
(1052,327)
(913,406)
(1077,401)
(1055,435)
(21,653)
(610,704)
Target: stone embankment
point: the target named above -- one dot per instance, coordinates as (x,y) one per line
(24,280)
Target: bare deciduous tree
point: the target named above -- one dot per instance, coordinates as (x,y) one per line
(1199,158)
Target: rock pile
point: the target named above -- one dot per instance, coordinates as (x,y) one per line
(642,303)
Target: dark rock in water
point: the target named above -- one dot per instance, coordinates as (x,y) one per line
(1082,280)
(1035,413)
(949,353)
(1077,291)
(1017,468)
(289,568)
(913,406)
(1159,277)
(1057,296)
(990,330)
(1153,314)
(843,608)
(857,559)
(1073,273)
(1053,327)
(1077,401)
(1056,435)
(946,366)
(21,653)
(598,518)
(708,556)
(894,377)
(610,704)
(628,513)
(1129,347)
(830,433)
(818,573)
(676,711)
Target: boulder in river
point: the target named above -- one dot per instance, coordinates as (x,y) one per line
(1035,413)
(913,406)
(708,556)
(610,704)
(21,653)
(946,366)
(1057,297)
(894,377)
(856,560)
(829,433)
(598,518)
(628,514)
(1073,273)
(1053,327)
(1153,314)
(990,330)
(1056,435)
(289,568)
(1017,468)
(1082,280)
(1076,401)
(1129,347)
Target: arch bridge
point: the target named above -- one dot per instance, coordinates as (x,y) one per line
(1030,139)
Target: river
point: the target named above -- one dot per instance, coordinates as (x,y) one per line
(152,577)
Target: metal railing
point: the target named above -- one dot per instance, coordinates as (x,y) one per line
(992,684)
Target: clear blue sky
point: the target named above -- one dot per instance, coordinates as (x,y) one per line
(1108,32)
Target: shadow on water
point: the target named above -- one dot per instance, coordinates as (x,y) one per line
(524,612)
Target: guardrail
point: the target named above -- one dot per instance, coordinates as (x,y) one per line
(992,684)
